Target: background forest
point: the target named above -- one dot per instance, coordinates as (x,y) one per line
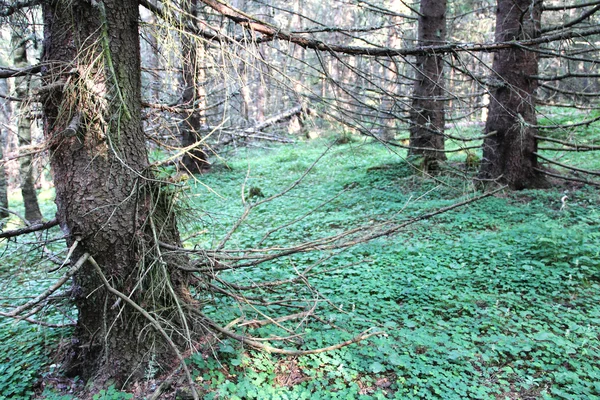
(299,199)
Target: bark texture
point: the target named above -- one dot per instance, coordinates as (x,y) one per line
(508,156)
(194,95)
(3,179)
(22,84)
(104,196)
(427,115)
(3,184)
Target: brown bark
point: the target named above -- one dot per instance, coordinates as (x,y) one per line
(195,160)
(509,155)
(3,133)
(103,195)
(32,208)
(427,114)
(3,184)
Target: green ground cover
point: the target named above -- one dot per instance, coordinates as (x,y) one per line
(498,299)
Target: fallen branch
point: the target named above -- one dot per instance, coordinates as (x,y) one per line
(255,132)
(255,323)
(274,350)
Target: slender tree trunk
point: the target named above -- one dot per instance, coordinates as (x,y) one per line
(3,184)
(106,199)
(508,156)
(32,208)
(427,115)
(3,140)
(194,96)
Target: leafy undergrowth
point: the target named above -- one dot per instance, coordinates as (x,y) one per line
(498,299)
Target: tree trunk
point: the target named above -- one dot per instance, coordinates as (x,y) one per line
(3,180)
(194,96)
(508,156)
(427,114)
(106,197)
(3,184)
(32,208)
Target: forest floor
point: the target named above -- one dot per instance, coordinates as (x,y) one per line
(499,299)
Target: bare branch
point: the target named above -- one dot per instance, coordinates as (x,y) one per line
(6,72)
(569,6)
(29,229)
(270,349)
(574,145)
(567,178)
(39,299)
(585,171)
(9,8)
(272,32)
(569,24)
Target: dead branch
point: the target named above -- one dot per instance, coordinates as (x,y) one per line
(432,149)
(6,72)
(255,323)
(252,257)
(270,349)
(562,7)
(586,122)
(29,229)
(569,167)
(39,299)
(251,206)
(563,142)
(573,22)
(567,178)
(576,149)
(272,32)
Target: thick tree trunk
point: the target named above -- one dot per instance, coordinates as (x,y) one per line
(427,115)
(105,196)
(194,96)
(508,156)
(32,208)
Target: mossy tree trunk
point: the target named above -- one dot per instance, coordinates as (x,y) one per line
(509,155)
(105,195)
(22,84)
(427,113)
